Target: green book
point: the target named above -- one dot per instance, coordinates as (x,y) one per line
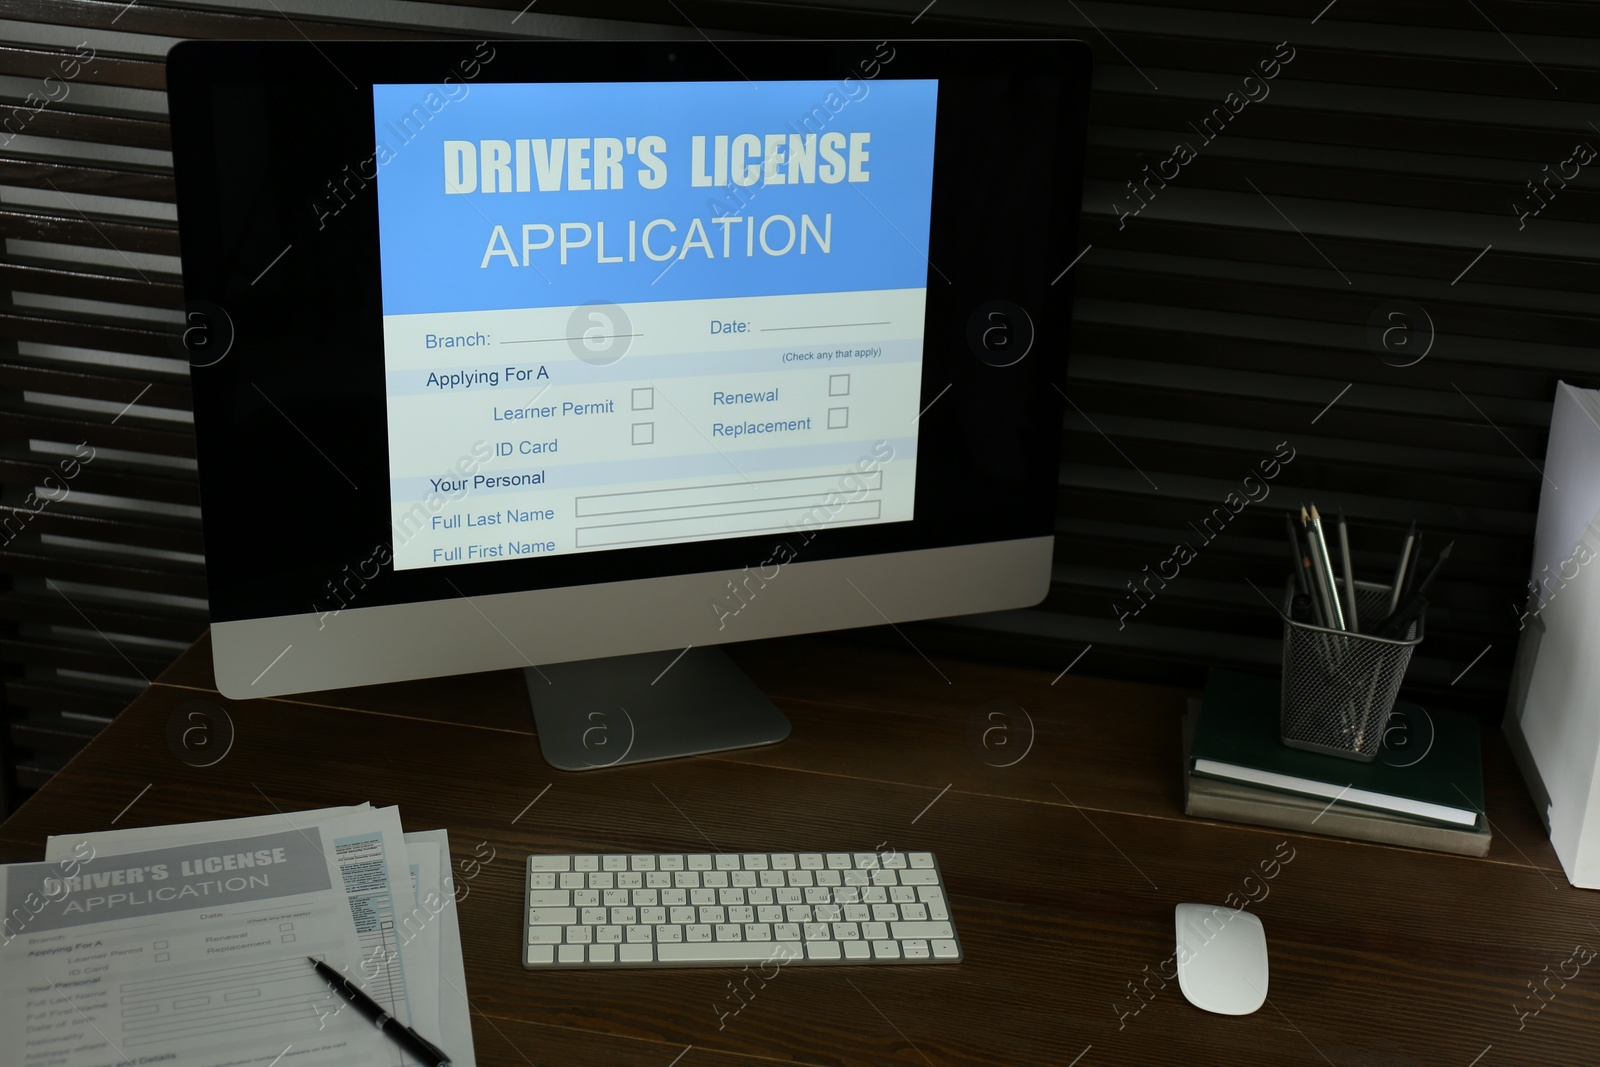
(1437,779)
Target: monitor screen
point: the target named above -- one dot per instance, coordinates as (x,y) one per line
(628,314)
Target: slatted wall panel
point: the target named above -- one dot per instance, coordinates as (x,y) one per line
(1228,313)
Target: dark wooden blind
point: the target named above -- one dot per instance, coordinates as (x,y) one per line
(1379,168)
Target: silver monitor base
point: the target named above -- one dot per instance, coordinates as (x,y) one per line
(632,709)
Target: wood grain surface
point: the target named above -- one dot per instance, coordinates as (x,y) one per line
(1061,837)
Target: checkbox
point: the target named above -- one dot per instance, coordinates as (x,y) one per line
(644,433)
(286,926)
(160,944)
(644,399)
(838,385)
(838,418)
(162,957)
(286,938)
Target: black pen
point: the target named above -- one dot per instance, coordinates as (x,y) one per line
(397,1031)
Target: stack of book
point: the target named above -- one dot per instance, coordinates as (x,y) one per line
(1425,789)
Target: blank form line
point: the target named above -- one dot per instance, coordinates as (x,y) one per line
(821,326)
(542,340)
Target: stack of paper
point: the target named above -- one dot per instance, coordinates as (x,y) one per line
(188,944)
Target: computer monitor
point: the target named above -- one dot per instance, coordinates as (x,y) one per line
(585,358)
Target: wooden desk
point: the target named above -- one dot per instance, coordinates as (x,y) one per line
(1063,869)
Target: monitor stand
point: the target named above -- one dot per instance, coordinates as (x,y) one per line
(632,709)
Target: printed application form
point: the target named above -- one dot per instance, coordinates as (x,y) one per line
(191,954)
(368,849)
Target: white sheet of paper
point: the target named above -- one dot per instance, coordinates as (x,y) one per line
(188,955)
(454,1011)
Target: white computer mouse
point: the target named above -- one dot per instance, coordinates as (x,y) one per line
(1222,958)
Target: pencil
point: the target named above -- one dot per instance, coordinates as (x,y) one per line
(1400,566)
(1319,544)
(1349,577)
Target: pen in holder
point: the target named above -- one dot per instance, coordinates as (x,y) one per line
(1339,687)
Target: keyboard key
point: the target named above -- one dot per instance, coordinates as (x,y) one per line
(592,916)
(586,863)
(699,862)
(823,950)
(755,861)
(885,950)
(846,932)
(686,879)
(743,879)
(608,935)
(568,880)
(885,913)
(919,877)
(874,894)
(682,915)
(944,949)
(786,931)
(546,881)
(726,862)
(790,895)
(874,931)
(697,932)
(935,901)
(579,935)
(669,934)
(713,915)
(893,860)
(541,954)
(884,878)
(818,895)
(758,896)
(769,913)
(729,952)
(645,898)
(549,863)
(811,861)
(671,863)
(634,953)
(715,879)
(857,950)
(630,880)
(642,863)
(652,916)
(784,861)
(918,912)
(602,953)
(624,916)
(798,913)
(728,932)
(816,931)
(602,880)
(826,913)
(854,878)
(702,897)
(544,935)
(830,877)
(730,896)
(865,861)
(549,898)
(613,863)
(569,953)
(586,898)
(674,897)
(903,894)
(847,894)
(757,931)
(903,930)
(638,934)
(658,880)
(742,913)
(772,879)
(914,949)
(614,898)
(922,860)
(552,916)
(857,913)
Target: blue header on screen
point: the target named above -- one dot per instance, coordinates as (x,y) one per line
(433,242)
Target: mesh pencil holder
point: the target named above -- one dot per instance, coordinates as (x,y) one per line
(1339,687)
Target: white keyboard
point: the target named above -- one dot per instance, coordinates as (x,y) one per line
(695,910)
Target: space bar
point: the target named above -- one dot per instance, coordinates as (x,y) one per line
(728,952)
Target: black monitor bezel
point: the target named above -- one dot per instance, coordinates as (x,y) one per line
(289,528)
